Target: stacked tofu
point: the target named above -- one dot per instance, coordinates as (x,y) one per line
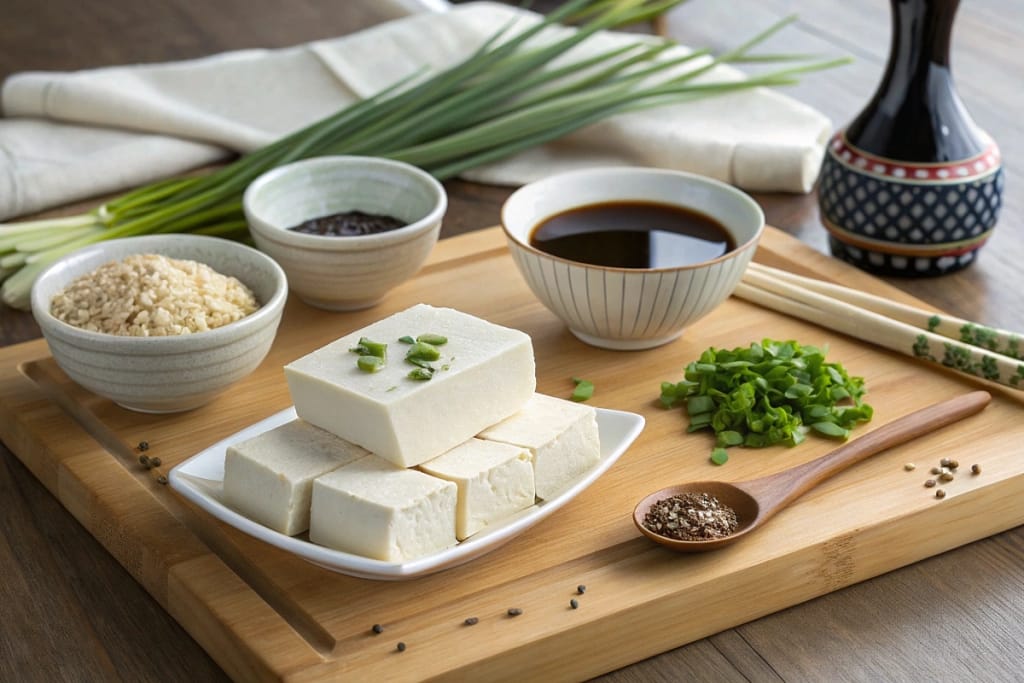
(394,468)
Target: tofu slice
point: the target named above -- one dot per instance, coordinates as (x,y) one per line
(561,435)
(485,373)
(269,478)
(376,509)
(494,480)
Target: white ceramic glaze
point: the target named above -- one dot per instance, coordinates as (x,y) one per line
(164,374)
(200,480)
(345,273)
(630,308)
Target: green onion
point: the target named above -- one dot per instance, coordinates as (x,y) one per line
(768,394)
(368,347)
(407,340)
(372,355)
(584,390)
(432,339)
(502,99)
(719,456)
(421,374)
(370,363)
(423,351)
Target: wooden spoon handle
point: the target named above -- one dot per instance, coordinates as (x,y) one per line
(777,490)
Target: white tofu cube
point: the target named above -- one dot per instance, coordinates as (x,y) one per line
(485,373)
(376,509)
(495,480)
(269,478)
(561,435)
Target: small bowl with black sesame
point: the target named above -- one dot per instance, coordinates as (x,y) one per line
(346,229)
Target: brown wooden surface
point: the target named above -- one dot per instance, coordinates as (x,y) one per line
(263,614)
(68,611)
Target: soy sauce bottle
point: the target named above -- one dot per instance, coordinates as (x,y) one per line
(912,186)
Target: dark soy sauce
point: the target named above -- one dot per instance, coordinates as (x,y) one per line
(633,235)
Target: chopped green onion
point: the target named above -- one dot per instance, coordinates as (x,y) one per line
(584,390)
(407,340)
(422,351)
(370,363)
(421,374)
(768,394)
(729,437)
(719,456)
(368,347)
(831,429)
(432,339)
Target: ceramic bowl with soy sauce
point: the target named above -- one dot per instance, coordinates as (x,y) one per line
(629,258)
(346,229)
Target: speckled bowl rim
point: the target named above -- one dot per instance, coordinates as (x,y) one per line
(281,234)
(220,336)
(611,171)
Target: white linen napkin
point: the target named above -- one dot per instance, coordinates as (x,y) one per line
(68,136)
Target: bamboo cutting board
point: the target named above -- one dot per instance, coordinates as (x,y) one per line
(265,615)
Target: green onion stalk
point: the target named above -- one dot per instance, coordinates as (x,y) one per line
(504,98)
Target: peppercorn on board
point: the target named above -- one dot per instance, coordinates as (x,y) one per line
(263,614)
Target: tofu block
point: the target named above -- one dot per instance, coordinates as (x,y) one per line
(561,435)
(376,509)
(269,478)
(494,479)
(485,373)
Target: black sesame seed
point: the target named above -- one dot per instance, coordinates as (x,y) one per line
(143,445)
(401,646)
(574,603)
(161,479)
(581,589)
(377,628)
(144,461)
(514,611)
(471,621)
(156,462)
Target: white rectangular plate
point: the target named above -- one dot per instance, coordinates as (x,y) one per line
(200,479)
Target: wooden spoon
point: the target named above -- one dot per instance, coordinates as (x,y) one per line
(756,500)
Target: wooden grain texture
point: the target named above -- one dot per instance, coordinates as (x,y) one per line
(956,616)
(263,614)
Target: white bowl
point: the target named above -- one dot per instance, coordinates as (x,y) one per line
(630,308)
(170,373)
(353,272)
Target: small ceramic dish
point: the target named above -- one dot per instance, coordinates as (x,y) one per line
(164,374)
(351,272)
(630,308)
(200,480)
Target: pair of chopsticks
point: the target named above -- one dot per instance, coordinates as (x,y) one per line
(993,354)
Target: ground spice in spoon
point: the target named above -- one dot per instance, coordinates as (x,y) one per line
(691,517)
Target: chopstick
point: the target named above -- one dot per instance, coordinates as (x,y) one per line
(821,303)
(950,326)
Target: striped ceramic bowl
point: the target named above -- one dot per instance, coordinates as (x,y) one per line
(630,308)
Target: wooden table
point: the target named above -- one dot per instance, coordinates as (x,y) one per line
(68,611)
